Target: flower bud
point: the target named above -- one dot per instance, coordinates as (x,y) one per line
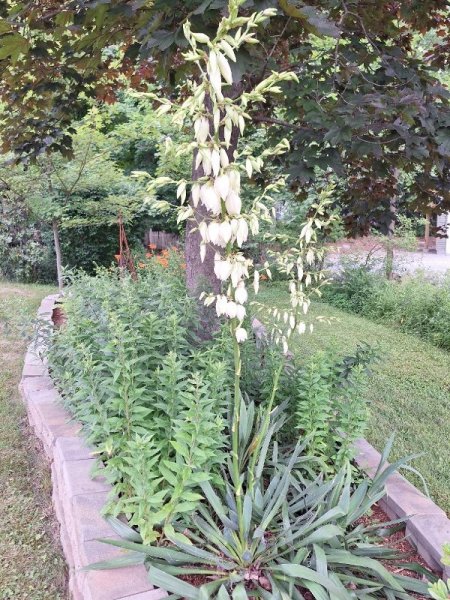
(195,194)
(224,68)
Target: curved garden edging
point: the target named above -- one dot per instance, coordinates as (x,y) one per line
(77,497)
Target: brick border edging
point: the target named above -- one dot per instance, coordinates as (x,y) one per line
(428,527)
(77,497)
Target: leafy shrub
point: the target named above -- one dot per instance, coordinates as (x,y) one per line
(26,245)
(415,304)
(327,397)
(149,397)
(295,534)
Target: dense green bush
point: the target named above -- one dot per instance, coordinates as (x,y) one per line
(415,304)
(151,399)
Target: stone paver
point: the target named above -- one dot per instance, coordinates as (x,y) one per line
(71,448)
(112,584)
(152,595)
(428,527)
(87,521)
(430,533)
(77,478)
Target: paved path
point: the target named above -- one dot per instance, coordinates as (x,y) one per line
(436,263)
(405,261)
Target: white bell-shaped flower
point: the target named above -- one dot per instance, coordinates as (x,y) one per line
(215,162)
(241,294)
(231,309)
(235,180)
(224,160)
(240,312)
(221,305)
(201,128)
(222,268)
(242,232)
(222,186)
(214,232)
(241,334)
(225,232)
(203,229)
(233,204)
(209,198)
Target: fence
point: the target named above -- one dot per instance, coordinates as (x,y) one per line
(161,239)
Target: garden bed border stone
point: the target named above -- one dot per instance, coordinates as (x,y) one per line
(427,527)
(78,498)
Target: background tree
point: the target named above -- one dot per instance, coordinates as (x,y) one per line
(367,103)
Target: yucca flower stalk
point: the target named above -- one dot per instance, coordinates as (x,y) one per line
(216,117)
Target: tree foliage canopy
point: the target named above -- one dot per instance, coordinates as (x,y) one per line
(368,103)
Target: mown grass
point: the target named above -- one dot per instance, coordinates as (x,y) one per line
(31,563)
(409,393)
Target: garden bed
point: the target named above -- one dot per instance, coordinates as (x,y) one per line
(79,498)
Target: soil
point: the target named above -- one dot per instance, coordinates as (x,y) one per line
(58,317)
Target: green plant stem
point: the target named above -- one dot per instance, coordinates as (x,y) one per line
(265,427)
(235,429)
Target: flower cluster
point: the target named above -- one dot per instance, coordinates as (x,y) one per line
(219,119)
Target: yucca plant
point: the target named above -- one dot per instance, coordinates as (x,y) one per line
(295,535)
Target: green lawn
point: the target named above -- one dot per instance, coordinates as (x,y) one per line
(408,394)
(31,564)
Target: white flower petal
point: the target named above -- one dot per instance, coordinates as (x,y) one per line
(241,334)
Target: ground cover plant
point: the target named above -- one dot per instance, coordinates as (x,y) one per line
(253,521)
(415,304)
(31,565)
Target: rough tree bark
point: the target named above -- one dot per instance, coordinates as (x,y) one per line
(389,267)
(59,270)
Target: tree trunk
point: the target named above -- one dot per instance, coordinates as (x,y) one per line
(427,232)
(200,276)
(389,267)
(58,254)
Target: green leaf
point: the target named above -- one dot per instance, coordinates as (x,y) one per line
(125,531)
(128,560)
(343,557)
(306,574)
(13,46)
(172,584)
(239,593)
(223,594)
